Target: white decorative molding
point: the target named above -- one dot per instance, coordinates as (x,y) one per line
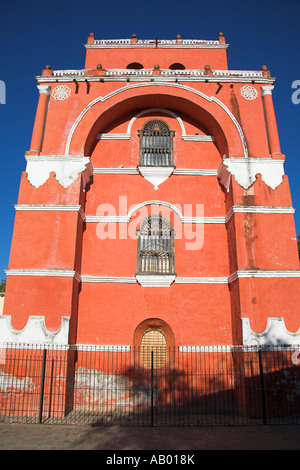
(245,171)
(156,175)
(109,279)
(102,99)
(115,171)
(163,280)
(35,331)
(113,136)
(274,334)
(47,207)
(43,273)
(266,90)
(249,92)
(201,280)
(242,274)
(199,138)
(66,169)
(152,43)
(61,93)
(103,347)
(135,171)
(258,210)
(126,218)
(195,172)
(197,349)
(46,89)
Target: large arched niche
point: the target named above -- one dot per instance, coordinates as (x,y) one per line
(136,105)
(208,111)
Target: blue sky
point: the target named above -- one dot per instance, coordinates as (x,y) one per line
(34,34)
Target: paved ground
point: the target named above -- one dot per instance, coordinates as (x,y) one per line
(115,438)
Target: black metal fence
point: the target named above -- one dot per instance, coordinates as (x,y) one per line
(196,386)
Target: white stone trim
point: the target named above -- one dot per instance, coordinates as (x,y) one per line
(35,331)
(242,274)
(126,218)
(266,90)
(197,349)
(195,76)
(113,136)
(47,207)
(199,138)
(158,83)
(66,169)
(258,210)
(46,89)
(245,171)
(195,172)
(103,347)
(201,280)
(115,171)
(177,171)
(152,43)
(43,273)
(109,279)
(274,334)
(163,280)
(105,219)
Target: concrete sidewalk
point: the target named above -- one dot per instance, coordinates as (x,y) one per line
(72,437)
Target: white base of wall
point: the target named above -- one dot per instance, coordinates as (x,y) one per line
(274,334)
(35,331)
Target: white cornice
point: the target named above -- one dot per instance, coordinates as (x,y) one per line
(177,171)
(103,347)
(126,218)
(154,44)
(115,171)
(47,207)
(202,280)
(153,78)
(243,274)
(109,279)
(240,274)
(258,210)
(43,273)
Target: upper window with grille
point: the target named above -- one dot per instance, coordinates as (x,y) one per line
(155,246)
(156,144)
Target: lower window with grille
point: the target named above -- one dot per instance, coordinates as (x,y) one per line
(155,246)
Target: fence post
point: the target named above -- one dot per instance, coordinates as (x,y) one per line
(42,385)
(262,386)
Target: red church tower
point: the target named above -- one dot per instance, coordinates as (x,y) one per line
(154,206)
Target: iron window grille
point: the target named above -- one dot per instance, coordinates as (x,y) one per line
(156,144)
(155,246)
